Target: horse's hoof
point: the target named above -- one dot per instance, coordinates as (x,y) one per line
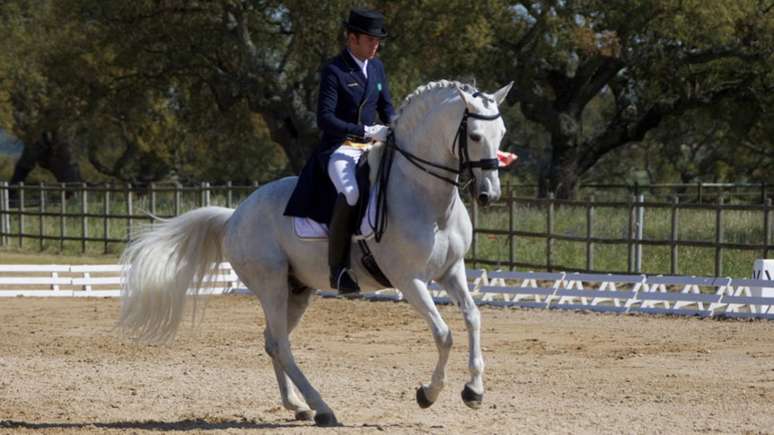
(471,398)
(325,420)
(422,399)
(306,415)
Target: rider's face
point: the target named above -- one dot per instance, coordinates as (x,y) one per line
(363,46)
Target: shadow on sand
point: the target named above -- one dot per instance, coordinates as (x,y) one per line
(197,424)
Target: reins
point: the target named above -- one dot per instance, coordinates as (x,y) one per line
(462,155)
(385,166)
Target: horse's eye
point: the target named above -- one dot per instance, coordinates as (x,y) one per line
(475,137)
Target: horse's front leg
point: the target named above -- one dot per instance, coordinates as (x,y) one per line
(456,284)
(416,293)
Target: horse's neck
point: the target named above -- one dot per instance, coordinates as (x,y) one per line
(408,182)
(429,136)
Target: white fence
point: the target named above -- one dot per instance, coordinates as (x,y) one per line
(678,295)
(53,280)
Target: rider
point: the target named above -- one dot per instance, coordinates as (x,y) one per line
(353,91)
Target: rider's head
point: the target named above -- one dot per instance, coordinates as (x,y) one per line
(365,31)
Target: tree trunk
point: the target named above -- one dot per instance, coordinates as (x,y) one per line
(49,153)
(563,170)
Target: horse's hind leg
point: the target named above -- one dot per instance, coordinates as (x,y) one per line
(274,296)
(297,304)
(419,297)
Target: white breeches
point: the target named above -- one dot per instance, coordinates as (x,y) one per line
(341,169)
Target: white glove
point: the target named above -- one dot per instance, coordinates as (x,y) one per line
(377,133)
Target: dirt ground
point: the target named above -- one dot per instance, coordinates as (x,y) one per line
(62,369)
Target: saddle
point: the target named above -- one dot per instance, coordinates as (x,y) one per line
(365,175)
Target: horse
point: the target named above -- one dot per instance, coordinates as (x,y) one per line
(444,133)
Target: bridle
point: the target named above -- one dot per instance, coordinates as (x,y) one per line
(465,164)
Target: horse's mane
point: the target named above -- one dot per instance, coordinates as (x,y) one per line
(417,103)
(411,112)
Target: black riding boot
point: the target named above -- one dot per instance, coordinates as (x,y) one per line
(339,243)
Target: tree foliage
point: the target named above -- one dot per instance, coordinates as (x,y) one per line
(153,89)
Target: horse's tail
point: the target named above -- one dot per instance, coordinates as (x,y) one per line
(162,263)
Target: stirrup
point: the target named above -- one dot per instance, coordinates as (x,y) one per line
(342,281)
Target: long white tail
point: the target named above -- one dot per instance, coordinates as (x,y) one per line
(162,263)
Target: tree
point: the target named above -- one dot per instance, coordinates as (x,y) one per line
(256,56)
(112,80)
(652,60)
(148,90)
(34,108)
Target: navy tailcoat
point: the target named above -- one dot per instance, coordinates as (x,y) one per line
(347,102)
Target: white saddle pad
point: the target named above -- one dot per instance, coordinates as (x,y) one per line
(307,228)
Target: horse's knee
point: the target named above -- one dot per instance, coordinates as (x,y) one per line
(473,317)
(269,345)
(443,338)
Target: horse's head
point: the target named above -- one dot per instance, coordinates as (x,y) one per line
(480,133)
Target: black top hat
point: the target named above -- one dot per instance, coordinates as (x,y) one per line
(366,21)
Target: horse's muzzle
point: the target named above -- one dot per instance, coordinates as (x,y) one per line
(483,199)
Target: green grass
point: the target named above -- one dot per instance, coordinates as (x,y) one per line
(118,228)
(744,227)
(11,256)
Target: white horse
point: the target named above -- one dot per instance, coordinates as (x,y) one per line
(427,234)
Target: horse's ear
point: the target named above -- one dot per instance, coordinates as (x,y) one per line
(465,97)
(500,95)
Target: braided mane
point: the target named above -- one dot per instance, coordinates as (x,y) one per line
(417,103)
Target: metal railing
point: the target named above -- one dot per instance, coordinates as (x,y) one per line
(699,192)
(84,218)
(98,215)
(582,225)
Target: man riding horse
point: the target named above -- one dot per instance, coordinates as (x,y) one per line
(353,91)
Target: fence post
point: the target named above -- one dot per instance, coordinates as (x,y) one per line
(21,214)
(640,228)
(42,216)
(84,219)
(62,213)
(766,227)
(3,212)
(630,235)
(474,221)
(550,231)
(228,194)
(202,195)
(129,212)
(511,241)
(106,220)
(589,234)
(673,259)
(152,201)
(177,198)
(699,192)
(719,237)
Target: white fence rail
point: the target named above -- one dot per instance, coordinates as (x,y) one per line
(678,295)
(34,280)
